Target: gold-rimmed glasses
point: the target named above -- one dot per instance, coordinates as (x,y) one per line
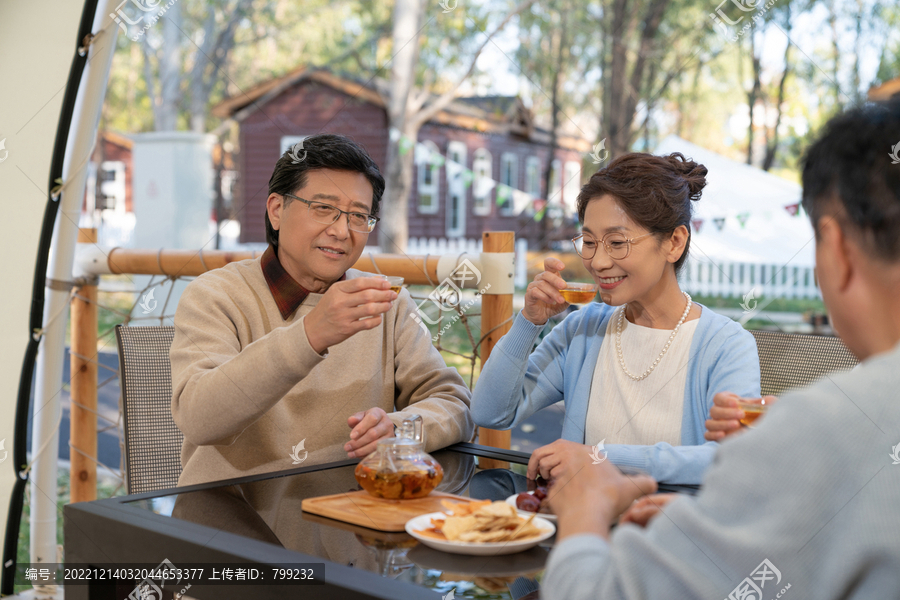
(616,244)
(327,214)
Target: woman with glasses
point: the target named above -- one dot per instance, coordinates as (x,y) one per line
(637,371)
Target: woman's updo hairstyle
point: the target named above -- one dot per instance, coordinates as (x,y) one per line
(655,191)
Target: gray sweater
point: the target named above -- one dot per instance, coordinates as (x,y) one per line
(807,505)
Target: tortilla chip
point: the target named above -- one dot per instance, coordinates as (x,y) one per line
(454,526)
(483,522)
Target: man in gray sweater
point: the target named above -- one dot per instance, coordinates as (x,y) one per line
(805,505)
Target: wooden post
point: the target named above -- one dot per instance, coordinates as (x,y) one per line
(83,388)
(495,309)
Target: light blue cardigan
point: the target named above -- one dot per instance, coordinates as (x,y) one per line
(516,382)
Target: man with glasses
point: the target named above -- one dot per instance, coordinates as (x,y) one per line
(297,355)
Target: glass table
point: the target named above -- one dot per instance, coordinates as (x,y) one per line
(257,520)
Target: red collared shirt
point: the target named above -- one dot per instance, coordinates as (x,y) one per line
(288,294)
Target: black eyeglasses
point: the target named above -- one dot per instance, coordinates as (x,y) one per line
(616,245)
(327,214)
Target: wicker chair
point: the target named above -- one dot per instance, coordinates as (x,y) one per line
(152,440)
(788,360)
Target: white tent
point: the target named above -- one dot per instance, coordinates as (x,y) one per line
(770,234)
(54,75)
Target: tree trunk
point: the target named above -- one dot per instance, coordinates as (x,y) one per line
(615,139)
(604,26)
(772,146)
(199,92)
(170,70)
(858,97)
(546,224)
(625,91)
(752,95)
(650,101)
(393,229)
(836,52)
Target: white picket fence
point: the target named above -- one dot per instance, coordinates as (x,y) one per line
(732,279)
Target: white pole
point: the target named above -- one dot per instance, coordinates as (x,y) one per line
(47,409)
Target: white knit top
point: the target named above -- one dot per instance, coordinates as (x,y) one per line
(624,411)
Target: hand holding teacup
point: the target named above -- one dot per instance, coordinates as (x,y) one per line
(548,295)
(347,308)
(730,413)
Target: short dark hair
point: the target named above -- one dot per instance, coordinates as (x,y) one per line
(321,151)
(849,169)
(655,191)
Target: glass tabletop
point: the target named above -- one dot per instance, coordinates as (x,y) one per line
(269,510)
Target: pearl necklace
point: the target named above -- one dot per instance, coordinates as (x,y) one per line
(644,375)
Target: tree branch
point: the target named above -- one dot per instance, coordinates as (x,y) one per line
(425,114)
(148,80)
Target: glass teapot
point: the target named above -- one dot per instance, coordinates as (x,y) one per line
(399,469)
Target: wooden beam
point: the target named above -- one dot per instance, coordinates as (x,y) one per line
(415,270)
(495,309)
(83,389)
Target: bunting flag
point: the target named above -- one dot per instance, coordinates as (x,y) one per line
(422,154)
(503,193)
(522,201)
(405,145)
(483,186)
(454,170)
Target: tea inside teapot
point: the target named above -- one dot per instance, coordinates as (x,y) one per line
(400,469)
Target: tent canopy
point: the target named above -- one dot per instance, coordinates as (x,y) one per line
(770,234)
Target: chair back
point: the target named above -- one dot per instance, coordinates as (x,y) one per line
(152,440)
(791,360)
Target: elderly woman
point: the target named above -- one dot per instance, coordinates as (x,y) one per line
(638,372)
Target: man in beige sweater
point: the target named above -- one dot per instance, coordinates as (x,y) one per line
(295,355)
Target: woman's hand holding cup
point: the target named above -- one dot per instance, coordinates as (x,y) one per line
(542,297)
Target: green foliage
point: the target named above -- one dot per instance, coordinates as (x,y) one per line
(799,305)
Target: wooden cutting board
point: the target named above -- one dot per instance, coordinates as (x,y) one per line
(362,509)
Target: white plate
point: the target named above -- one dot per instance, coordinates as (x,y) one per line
(512,502)
(414,525)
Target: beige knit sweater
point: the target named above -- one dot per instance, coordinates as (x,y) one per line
(247,387)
